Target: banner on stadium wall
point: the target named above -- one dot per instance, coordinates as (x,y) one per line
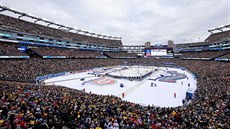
(53,57)
(51,76)
(101,57)
(195,58)
(7,40)
(20,57)
(222,59)
(22,48)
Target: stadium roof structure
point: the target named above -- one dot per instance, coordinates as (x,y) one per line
(220,28)
(59,26)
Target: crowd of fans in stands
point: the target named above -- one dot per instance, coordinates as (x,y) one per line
(219,37)
(33,106)
(226,56)
(44,31)
(38,106)
(29,69)
(121,55)
(75,53)
(69,53)
(204,54)
(9,50)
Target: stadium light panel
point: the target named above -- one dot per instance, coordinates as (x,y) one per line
(29,14)
(12,9)
(44,19)
(75,28)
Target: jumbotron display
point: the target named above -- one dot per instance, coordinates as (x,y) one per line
(156,52)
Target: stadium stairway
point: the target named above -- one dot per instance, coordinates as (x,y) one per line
(32,53)
(222,54)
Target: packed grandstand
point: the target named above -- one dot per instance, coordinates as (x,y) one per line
(25,104)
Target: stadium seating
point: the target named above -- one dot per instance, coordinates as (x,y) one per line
(204,54)
(218,37)
(39,106)
(9,50)
(121,55)
(40,30)
(69,53)
(226,56)
(25,104)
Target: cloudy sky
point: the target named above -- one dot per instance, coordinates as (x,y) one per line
(136,21)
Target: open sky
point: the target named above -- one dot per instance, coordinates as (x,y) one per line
(136,21)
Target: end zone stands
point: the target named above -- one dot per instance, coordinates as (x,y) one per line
(218,37)
(203,55)
(215,41)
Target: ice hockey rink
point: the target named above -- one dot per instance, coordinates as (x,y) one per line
(163,87)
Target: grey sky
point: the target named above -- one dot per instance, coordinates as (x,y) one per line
(136,21)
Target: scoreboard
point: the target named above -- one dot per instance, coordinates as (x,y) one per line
(156,52)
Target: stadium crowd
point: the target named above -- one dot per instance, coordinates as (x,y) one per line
(219,37)
(29,69)
(204,54)
(32,106)
(15,24)
(38,106)
(121,55)
(69,53)
(226,56)
(9,50)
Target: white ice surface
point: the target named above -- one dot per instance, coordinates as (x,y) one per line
(135,91)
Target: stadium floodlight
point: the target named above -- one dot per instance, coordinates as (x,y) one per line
(45,20)
(75,28)
(31,15)
(57,24)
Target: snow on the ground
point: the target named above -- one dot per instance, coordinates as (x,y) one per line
(135,91)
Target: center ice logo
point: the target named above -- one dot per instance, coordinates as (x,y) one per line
(103,81)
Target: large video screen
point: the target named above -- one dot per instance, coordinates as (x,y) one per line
(156,52)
